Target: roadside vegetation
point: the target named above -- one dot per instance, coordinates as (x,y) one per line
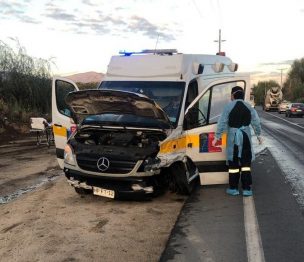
(293,87)
(25,86)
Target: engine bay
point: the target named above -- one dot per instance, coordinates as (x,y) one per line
(125,138)
(133,144)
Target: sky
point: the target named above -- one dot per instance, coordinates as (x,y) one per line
(262,36)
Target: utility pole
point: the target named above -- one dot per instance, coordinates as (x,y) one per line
(281,69)
(220,41)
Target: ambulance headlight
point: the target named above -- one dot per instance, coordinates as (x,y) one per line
(68,155)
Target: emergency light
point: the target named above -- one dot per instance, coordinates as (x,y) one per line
(218,67)
(198,68)
(150,51)
(233,67)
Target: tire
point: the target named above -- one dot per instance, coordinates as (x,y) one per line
(82,191)
(183,187)
(160,185)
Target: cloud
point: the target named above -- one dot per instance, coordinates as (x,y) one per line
(59,14)
(255,73)
(17,11)
(273,73)
(86,28)
(12,8)
(119,8)
(28,19)
(88,20)
(88,2)
(115,21)
(288,62)
(285,62)
(140,24)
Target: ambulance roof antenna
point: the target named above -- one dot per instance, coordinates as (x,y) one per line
(156,43)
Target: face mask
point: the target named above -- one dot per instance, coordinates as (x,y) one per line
(236,92)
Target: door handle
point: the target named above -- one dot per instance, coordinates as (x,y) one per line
(57,125)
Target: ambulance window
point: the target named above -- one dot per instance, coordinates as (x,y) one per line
(221,95)
(62,89)
(197,115)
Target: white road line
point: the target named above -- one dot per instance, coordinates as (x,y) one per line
(295,124)
(255,252)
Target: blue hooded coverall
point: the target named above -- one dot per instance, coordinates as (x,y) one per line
(239,146)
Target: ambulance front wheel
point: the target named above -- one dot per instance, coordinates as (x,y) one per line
(180,177)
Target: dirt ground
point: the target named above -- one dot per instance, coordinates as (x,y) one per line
(48,221)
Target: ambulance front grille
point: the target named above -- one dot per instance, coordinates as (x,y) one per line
(116,166)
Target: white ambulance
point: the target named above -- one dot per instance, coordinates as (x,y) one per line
(148,126)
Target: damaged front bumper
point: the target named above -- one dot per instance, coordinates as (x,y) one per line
(123,187)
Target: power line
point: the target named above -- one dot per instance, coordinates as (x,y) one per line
(198,10)
(281,69)
(219,12)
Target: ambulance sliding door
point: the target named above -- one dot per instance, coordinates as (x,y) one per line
(200,125)
(63,124)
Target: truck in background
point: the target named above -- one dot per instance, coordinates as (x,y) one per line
(273,98)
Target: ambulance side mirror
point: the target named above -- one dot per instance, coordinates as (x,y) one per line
(188,119)
(186,122)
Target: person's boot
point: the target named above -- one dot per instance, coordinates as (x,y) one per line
(247,192)
(232,192)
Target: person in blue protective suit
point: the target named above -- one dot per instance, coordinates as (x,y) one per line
(236,120)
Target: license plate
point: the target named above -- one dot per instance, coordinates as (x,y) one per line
(103,192)
(299,110)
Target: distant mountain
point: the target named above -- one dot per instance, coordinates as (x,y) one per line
(86,77)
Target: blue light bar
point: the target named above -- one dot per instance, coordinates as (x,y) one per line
(126,53)
(150,51)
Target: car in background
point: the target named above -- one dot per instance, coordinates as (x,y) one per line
(295,109)
(282,106)
(251,101)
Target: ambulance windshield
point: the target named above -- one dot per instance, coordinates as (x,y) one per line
(168,95)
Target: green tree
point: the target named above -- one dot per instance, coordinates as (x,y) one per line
(293,87)
(25,82)
(260,89)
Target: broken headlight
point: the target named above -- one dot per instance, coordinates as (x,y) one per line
(68,155)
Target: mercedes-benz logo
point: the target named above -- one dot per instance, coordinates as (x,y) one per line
(103,164)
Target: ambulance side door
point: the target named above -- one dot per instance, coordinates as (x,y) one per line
(63,124)
(200,123)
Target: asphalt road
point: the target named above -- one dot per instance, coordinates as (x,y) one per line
(216,227)
(289,132)
(37,206)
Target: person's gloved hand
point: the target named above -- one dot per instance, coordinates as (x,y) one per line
(215,141)
(260,139)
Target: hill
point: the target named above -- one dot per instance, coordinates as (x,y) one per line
(86,77)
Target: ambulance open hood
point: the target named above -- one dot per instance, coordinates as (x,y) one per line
(119,108)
